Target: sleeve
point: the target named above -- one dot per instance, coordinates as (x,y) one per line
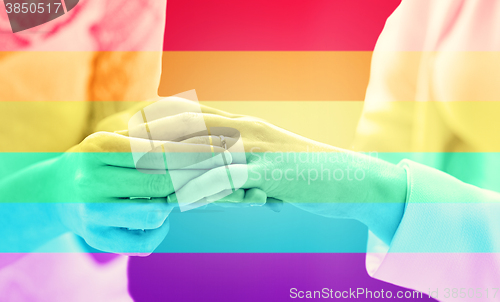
(448,241)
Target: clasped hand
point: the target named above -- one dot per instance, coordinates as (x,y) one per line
(99,177)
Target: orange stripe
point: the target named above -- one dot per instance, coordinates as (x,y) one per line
(266,75)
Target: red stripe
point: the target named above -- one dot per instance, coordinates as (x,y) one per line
(331,25)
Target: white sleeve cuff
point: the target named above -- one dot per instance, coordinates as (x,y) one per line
(449,236)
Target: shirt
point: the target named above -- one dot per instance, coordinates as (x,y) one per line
(433,98)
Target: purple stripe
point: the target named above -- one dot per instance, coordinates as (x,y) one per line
(246,277)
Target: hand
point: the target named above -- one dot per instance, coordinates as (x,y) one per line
(315,177)
(172,106)
(259,138)
(93,184)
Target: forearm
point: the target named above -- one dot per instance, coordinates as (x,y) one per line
(27,212)
(344,184)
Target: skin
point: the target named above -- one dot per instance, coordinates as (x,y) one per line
(376,200)
(86,191)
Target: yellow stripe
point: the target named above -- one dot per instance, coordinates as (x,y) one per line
(56,126)
(53,126)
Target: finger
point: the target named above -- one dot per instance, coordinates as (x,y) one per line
(227,198)
(224,194)
(241,197)
(116,150)
(124,182)
(170,128)
(126,213)
(255,197)
(185,125)
(275,205)
(198,159)
(174,105)
(110,148)
(231,144)
(177,156)
(213,182)
(123,241)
